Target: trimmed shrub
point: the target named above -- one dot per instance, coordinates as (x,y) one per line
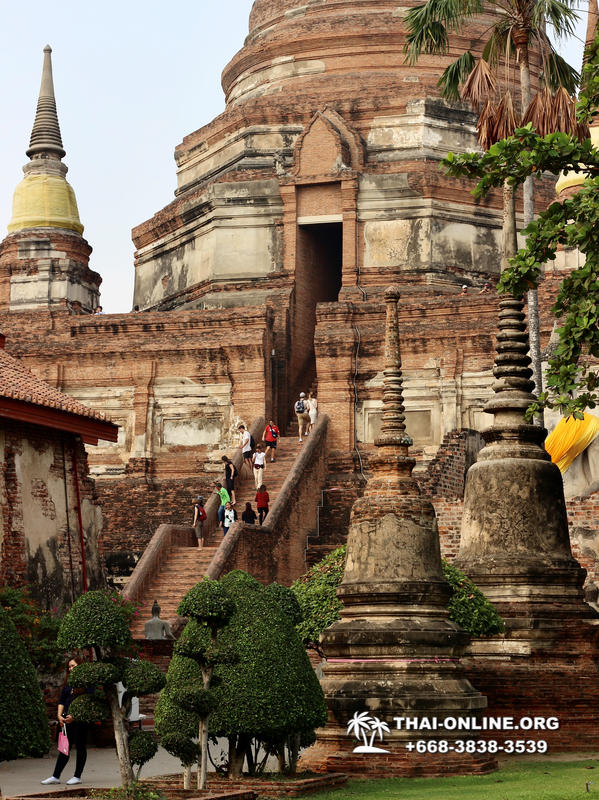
(90,708)
(93,673)
(286,600)
(24,723)
(175,725)
(142,748)
(207,600)
(143,677)
(94,621)
(272,690)
(316,594)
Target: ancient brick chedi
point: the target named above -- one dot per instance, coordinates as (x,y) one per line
(394,653)
(294,209)
(323,171)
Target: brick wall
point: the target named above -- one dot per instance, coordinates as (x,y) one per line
(39,538)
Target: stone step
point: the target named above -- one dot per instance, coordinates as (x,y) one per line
(185,565)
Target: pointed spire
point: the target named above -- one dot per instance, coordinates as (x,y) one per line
(45,136)
(393,428)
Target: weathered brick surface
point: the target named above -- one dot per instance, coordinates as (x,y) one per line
(39,544)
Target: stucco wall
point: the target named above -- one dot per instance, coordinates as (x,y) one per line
(40,542)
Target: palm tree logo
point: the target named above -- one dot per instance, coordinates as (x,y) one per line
(361,725)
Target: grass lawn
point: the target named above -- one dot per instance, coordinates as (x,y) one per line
(547,780)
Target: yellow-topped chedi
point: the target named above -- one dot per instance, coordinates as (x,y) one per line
(45,200)
(569,179)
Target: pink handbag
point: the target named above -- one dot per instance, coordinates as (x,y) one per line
(63,741)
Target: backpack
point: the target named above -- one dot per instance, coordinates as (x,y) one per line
(252,442)
(300,407)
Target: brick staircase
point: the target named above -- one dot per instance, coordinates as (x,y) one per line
(185,564)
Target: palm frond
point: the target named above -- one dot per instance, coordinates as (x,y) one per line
(550,112)
(455,74)
(428,25)
(560,14)
(506,119)
(539,112)
(557,72)
(495,46)
(480,85)
(487,120)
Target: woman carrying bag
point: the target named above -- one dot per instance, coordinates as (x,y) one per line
(76,733)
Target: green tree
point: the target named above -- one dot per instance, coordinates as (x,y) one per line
(519,29)
(96,622)
(188,684)
(269,692)
(37,628)
(316,592)
(23,720)
(572,381)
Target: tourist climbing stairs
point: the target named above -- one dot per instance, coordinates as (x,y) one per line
(184,564)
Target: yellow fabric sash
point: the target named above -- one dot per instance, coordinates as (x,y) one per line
(569,438)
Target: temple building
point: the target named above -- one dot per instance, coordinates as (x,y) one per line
(317,187)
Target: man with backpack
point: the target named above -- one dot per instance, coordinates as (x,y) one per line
(301,412)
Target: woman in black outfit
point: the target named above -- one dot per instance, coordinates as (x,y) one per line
(230,475)
(76,732)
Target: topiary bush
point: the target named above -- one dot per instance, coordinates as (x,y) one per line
(177,726)
(90,708)
(142,748)
(316,594)
(93,673)
(23,719)
(143,677)
(208,601)
(271,691)
(94,621)
(97,620)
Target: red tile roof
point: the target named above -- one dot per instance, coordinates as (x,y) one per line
(19,383)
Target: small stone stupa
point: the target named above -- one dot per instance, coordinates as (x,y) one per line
(394,653)
(514,542)
(515,546)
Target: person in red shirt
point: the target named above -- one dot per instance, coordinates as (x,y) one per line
(262,499)
(270,436)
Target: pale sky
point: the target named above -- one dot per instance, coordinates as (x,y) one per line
(132,79)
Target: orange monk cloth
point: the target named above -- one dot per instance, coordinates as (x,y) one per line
(570,438)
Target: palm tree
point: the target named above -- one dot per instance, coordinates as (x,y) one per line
(486,82)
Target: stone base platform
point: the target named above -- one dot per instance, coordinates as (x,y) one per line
(556,676)
(335,754)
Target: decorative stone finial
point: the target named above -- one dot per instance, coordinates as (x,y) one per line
(45,136)
(512,390)
(393,428)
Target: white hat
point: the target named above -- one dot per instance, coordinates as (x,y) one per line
(464,286)
(302,394)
